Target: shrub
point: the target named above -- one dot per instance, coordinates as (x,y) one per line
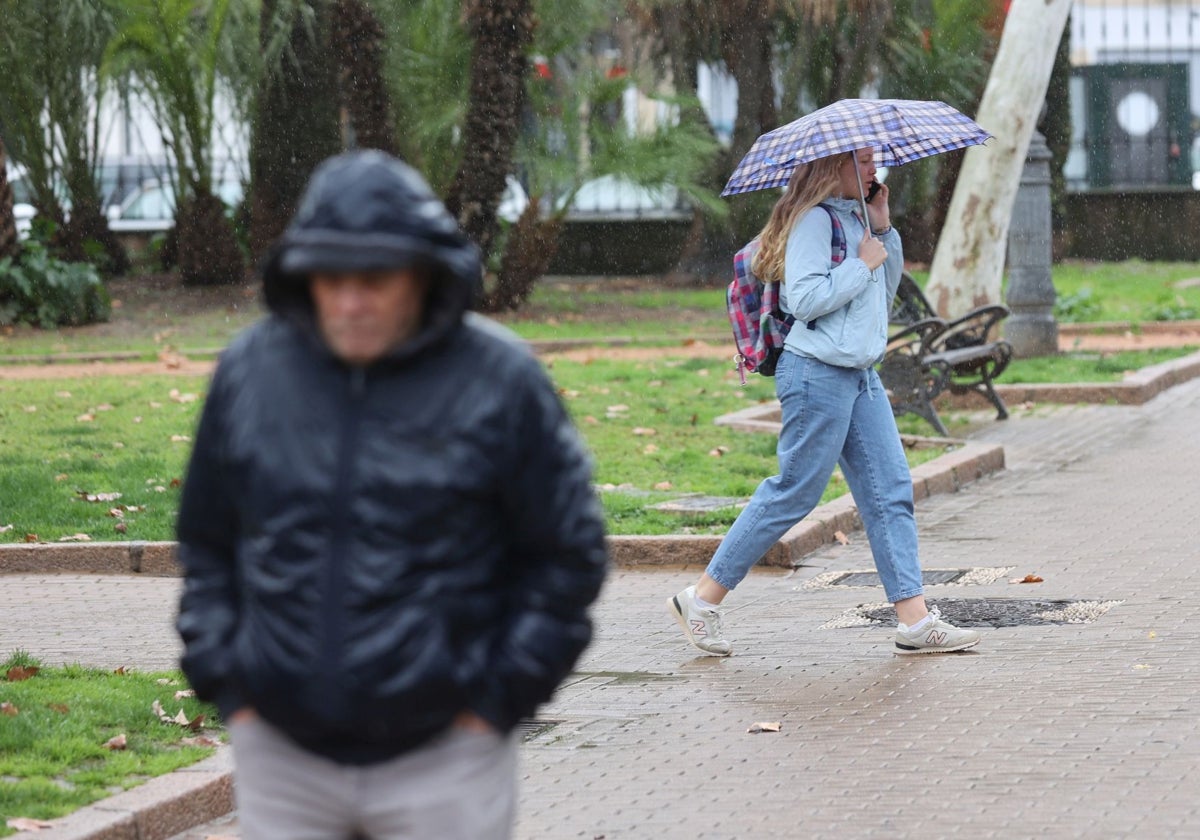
(1173,309)
(1081,306)
(38,289)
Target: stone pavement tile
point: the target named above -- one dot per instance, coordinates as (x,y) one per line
(101,621)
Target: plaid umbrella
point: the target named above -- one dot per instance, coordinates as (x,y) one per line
(900,131)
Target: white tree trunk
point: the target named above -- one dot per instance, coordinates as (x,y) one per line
(968,265)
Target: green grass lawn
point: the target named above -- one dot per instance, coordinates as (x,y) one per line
(57,731)
(1088,367)
(1131,291)
(103,457)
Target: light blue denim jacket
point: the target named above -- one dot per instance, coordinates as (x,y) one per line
(848,304)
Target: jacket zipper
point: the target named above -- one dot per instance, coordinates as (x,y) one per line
(335,577)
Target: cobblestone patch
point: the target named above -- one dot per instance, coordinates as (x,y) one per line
(984,612)
(930,577)
(699,504)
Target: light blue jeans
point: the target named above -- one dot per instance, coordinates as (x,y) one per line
(831,415)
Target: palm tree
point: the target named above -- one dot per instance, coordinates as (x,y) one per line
(296,118)
(502,31)
(8,224)
(573,143)
(358,43)
(50,88)
(175,51)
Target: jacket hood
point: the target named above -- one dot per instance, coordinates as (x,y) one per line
(363,211)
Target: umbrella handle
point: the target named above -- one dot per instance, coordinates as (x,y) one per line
(863,199)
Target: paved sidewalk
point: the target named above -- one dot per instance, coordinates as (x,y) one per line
(1047,729)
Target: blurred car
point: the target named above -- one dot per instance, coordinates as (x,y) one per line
(616,197)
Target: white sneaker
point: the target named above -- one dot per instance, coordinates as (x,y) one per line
(701,626)
(935,637)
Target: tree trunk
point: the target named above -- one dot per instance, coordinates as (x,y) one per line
(297,122)
(968,265)
(208,250)
(746,37)
(87,230)
(706,246)
(502,30)
(358,42)
(8,223)
(528,251)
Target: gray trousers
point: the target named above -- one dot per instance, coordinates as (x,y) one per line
(461,786)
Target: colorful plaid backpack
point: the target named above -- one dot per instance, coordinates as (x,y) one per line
(759,325)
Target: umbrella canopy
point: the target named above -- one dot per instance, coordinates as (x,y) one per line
(900,131)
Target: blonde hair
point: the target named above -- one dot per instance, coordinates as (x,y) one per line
(811,184)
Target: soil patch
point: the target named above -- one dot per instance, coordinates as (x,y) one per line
(147,303)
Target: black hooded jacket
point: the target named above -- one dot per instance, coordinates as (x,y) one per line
(369,551)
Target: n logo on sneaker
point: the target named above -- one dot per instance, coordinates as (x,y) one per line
(936,637)
(699,628)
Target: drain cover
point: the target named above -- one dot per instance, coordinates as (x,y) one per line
(985,612)
(530,728)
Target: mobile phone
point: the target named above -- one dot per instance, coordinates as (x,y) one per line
(873,190)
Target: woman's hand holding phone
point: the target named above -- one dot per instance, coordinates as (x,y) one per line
(878,213)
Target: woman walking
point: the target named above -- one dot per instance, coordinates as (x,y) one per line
(835,410)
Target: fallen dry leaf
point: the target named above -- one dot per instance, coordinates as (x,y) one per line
(187,692)
(75,538)
(61,708)
(180,438)
(590,420)
(121,528)
(17,673)
(641,430)
(765,727)
(104,407)
(180,719)
(1027,579)
(841,537)
(86,418)
(61,477)
(200,741)
(119,671)
(28,824)
(9,709)
(718,452)
(117,742)
(165,681)
(663,485)
(4,528)
(30,538)
(97,497)
(176,482)
(649,449)
(30,408)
